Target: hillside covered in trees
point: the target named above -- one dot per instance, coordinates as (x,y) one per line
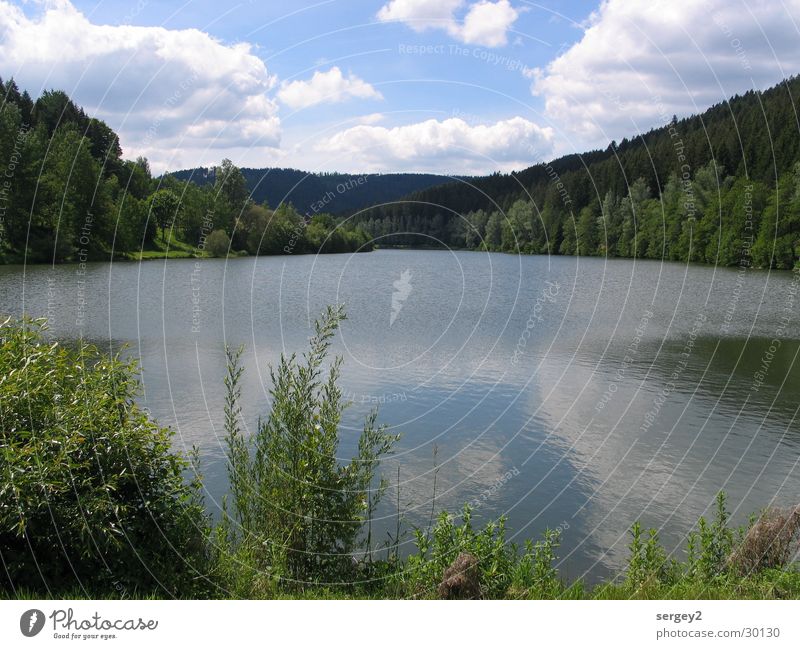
(720,187)
(66,193)
(340,193)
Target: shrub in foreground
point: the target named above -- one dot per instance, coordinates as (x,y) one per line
(92,496)
(93,501)
(297,513)
(503,569)
(753,561)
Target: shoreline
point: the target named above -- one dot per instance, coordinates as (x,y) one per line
(180,254)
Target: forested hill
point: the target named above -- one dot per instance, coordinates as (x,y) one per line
(67,194)
(720,187)
(337,193)
(694,189)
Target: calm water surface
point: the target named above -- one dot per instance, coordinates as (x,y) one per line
(562,392)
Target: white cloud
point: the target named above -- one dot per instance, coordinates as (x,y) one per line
(422,14)
(639,62)
(485,23)
(331,86)
(451,145)
(161,89)
(372,118)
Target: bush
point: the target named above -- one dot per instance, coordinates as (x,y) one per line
(711,545)
(297,512)
(503,570)
(717,563)
(92,496)
(648,563)
(218,244)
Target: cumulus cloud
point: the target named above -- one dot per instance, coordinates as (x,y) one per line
(331,86)
(485,23)
(422,14)
(448,145)
(638,63)
(372,118)
(162,89)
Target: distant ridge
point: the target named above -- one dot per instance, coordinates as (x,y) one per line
(699,189)
(755,134)
(334,193)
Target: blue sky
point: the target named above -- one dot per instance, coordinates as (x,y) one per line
(451,86)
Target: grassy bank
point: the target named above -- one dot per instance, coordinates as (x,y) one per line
(95,502)
(167,247)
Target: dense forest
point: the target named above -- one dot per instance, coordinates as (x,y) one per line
(66,193)
(340,193)
(720,187)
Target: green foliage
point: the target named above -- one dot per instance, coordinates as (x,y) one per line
(92,495)
(709,550)
(70,196)
(710,218)
(61,175)
(685,191)
(708,573)
(164,208)
(768,584)
(94,500)
(297,512)
(778,243)
(230,185)
(345,193)
(711,545)
(648,561)
(534,575)
(504,571)
(218,244)
(716,554)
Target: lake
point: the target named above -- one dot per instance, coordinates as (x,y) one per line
(563,392)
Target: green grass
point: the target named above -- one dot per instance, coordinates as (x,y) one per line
(770,585)
(79,594)
(167,248)
(173,248)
